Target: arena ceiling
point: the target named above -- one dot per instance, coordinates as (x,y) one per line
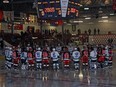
(96,7)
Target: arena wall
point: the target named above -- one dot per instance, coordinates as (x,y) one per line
(105,27)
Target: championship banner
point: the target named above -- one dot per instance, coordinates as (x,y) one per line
(114,4)
(18,27)
(8,15)
(64,6)
(1,15)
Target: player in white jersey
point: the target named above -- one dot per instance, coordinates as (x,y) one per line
(110,56)
(6,51)
(23,56)
(106,55)
(38,58)
(8,54)
(58,48)
(19,49)
(70,48)
(47,47)
(93,58)
(76,58)
(28,47)
(55,58)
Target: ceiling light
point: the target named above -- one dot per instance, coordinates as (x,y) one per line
(112,14)
(80,5)
(100,11)
(88,18)
(52,2)
(40,9)
(105,17)
(103,21)
(68,24)
(86,8)
(5,1)
(78,21)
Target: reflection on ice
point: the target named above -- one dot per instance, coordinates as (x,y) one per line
(45,78)
(72,78)
(88,80)
(2,81)
(81,76)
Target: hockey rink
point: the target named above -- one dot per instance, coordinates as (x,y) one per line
(105,77)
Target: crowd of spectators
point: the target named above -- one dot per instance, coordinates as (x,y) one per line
(47,36)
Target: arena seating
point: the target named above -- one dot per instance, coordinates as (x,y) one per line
(13,39)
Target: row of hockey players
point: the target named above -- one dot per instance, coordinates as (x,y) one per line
(93,57)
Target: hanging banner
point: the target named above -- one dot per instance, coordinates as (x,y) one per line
(8,15)
(1,15)
(60,22)
(64,6)
(18,27)
(114,4)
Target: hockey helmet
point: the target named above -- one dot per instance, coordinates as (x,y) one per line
(39,48)
(53,49)
(75,48)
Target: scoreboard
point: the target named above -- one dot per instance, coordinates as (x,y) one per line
(58,9)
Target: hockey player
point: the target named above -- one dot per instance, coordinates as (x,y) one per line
(28,47)
(93,58)
(16,58)
(19,49)
(58,48)
(70,48)
(76,58)
(45,57)
(6,50)
(101,56)
(110,56)
(106,55)
(8,54)
(66,57)
(85,55)
(47,47)
(23,56)
(55,58)
(30,59)
(38,58)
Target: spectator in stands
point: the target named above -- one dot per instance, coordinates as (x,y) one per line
(1,43)
(49,32)
(68,32)
(65,30)
(89,31)
(85,32)
(110,40)
(109,32)
(21,33)
(98,31)
(79,31)
(13,38)
(94,31)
